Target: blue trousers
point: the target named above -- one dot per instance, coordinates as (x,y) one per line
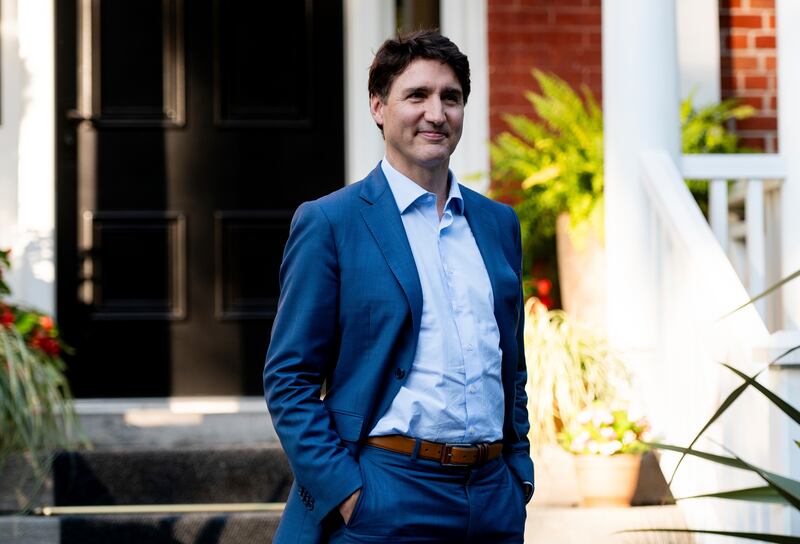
(406,499)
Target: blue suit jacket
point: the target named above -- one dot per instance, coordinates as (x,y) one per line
(349,314)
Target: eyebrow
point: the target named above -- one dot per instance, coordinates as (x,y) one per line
(427,90)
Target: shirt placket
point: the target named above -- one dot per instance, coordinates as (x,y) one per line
(469,367)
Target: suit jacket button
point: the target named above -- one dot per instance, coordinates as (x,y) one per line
(399,373)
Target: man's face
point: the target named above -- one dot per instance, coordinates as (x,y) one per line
(422,116)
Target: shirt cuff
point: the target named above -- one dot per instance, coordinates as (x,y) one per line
(528,488)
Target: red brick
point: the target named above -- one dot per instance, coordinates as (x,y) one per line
(593,39)
(755,101)
(744,62)
(757,123)
(738,41)
(770,63)
(756,82)
(745,21)
(768,4)
(589,19)
(754,143)
(499,21)
(771,23)
(765,42)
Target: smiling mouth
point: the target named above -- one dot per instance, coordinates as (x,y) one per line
(433,135)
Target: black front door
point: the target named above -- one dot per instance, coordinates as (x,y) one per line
(190,130)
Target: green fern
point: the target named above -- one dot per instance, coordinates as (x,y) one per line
(556,160)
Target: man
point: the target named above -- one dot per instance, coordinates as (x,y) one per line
(402,293)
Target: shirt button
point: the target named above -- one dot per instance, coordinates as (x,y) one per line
(399,373)
(469,347)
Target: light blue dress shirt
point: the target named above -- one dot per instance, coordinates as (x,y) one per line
(454,391)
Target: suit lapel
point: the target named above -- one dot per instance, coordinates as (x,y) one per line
(384,223)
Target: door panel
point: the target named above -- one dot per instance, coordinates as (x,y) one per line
(192,130)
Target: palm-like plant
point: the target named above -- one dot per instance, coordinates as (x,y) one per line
(777,488)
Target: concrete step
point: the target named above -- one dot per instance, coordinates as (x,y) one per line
(545,525)
(220,474)
(175,422)
(195,528)
(224,474)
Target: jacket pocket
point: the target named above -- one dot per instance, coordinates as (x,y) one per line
(347,424)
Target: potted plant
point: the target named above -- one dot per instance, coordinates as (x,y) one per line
(570,367)
(608,445)
(572,372)
(36,413)
(551,169)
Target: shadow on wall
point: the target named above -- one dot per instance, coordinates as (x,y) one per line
(33,269)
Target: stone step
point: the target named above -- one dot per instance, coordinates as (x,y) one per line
(220,474)
(545,525)
(194,528)
(175,422)
(232,474)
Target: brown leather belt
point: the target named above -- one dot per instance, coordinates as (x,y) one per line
(452,455)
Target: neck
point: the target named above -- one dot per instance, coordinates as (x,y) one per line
(434,180)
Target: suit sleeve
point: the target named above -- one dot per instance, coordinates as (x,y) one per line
(303,349)
(520,460)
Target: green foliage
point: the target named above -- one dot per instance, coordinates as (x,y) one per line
(5,264)
(36,411)
(704,131)
(570,368)
(554,164)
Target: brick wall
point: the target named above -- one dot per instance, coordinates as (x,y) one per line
(747,66)
(559,36)
(563,36)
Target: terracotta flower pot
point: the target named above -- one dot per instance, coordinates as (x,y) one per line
(607,480)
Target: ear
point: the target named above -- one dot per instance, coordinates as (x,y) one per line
(376,109)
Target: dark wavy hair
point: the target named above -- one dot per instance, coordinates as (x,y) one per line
(395,55)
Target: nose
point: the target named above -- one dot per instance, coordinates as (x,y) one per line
(434,111)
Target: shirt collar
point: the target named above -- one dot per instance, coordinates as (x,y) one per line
(406,191)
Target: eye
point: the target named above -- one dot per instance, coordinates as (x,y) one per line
(451,98)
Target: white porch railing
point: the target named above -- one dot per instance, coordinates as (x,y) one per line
(695,285)
(745,219)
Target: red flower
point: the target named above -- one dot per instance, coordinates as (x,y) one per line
(50,346)
(46,322)
(6,317)
(543,287)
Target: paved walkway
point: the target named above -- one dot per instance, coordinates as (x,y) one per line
(565,525)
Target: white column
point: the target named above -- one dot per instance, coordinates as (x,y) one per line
(27,148)
(367,23)
(640,107)
(465,24)
(788,30)
(698,50)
